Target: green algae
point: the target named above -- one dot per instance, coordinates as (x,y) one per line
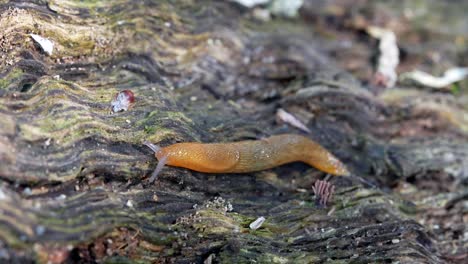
(11,78)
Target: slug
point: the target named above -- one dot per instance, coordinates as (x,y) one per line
(247,156)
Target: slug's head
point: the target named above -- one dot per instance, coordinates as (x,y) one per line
(335,166)
(159,152)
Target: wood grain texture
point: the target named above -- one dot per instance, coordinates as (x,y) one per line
(73,176)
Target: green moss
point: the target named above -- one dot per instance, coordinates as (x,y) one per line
(271,258)
(215,222)
(407,209)
(124,260)
(10,78)
(263,231)
(11,239)
(150,129)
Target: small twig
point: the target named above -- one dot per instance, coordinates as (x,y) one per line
(136,234)
(283,116)
(364,182)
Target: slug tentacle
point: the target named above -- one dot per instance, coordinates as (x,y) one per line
(158,169)
(161,161)
(153,147)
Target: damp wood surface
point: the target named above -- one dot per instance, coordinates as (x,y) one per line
(74,177)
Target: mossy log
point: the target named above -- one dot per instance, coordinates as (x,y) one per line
(73,175)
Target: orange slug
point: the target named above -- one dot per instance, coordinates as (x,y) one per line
(247,156)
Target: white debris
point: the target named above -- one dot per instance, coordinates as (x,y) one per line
(389,56)
(27,191)
(287,8)
(251,3)
(257,223)
(449,157)
(395,241)
(219,203)
(332,210)
(261,14)
(209,259)
(61,197)
(40,230)
(3,196)
(450,76)
(47,142)
(129,203)
(46,44)
(288,118)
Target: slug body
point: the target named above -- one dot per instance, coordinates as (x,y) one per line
(250,155)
